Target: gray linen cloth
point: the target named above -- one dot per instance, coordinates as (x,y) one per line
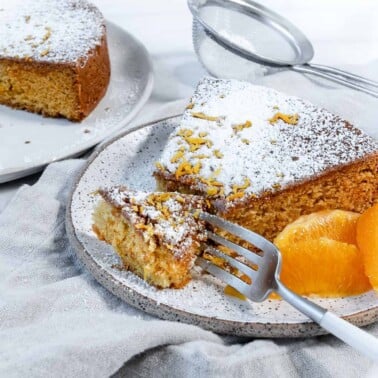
(56,321)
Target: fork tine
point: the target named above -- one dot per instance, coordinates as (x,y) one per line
(249,255)
(235,263)
(224,276)
(241,232)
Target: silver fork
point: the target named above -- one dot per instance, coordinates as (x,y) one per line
(266,279)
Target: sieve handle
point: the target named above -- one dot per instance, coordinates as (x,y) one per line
(346,75)
(338,76)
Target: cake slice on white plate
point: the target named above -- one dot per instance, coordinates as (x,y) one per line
(53,57)
(263,158)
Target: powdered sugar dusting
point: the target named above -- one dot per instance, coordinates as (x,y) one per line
(243,146)
(167,216)
(49,30)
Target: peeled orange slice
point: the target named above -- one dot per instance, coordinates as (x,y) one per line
(320,256)
(338,225)
(367,240)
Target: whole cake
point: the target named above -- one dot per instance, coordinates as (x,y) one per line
(53,57)
(157,235)
(263,158)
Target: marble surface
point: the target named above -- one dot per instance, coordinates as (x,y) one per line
(343,34)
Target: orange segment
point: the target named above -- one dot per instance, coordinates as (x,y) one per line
(367,240)
(320,255)
(335,224)
(323,267)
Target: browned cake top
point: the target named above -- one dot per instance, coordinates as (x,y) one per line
(237,140)
(170,217)
(49,30)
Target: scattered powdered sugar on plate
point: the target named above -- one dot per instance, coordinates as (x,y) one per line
(49,30)
(234,131)
(130,161)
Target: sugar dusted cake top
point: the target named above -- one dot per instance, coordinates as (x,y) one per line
(170,217)
(237,139)
(49,30)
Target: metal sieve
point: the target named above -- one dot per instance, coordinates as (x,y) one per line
(255,33)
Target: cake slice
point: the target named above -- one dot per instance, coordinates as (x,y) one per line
(53,57)
(263,158)
(157,235)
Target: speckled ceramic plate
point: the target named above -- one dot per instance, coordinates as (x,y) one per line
(129,159)
(29,141)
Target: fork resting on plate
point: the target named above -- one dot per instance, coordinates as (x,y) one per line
(266,279)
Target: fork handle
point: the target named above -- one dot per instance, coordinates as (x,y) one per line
(360,340)
(357,338)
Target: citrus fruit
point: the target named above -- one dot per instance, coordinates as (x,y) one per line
(367,241)
(320,256)
(338,225)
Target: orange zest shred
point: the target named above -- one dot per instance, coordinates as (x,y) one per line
(185,133)
(245,185)
(197,167)
(212,191)
(166,212)
(218,154)
(135,208)
(44,52)
(214,187)
(238,190)
(177,156)
(242,126)
(204,116)
(185,168)
(200,156)
(234,196)
(180,199)
(290,119)
(196,142)
(158,197)
(216,183)
(211,182)
(216,172)
(159,166)
(47,34)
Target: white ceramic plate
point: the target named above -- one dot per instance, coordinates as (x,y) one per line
(129,159)
(29,141)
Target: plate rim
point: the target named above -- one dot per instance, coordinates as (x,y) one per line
(22,171)
(166,312)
